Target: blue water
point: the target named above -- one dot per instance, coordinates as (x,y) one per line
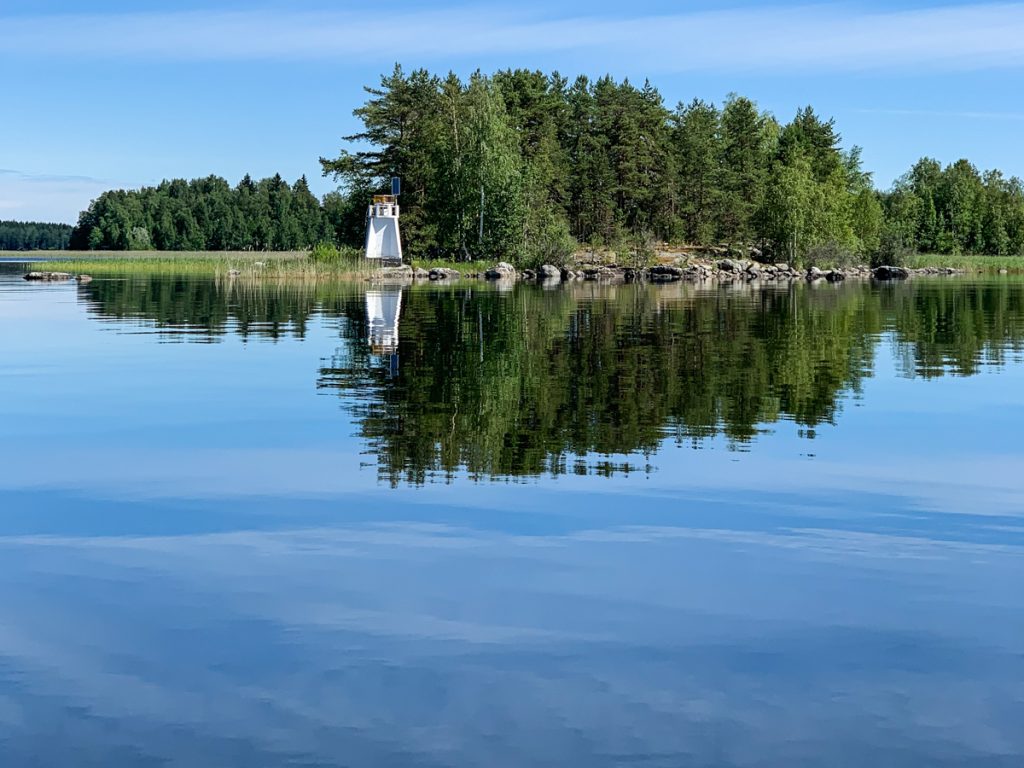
(202,562)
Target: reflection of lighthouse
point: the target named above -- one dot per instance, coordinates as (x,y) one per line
(383,307)
(383,240)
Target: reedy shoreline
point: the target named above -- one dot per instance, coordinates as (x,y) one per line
(297,265)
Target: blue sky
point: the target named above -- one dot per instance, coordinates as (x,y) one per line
(104,94)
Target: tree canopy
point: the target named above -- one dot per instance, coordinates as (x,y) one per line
(525,166)
(605,162)
(33,236)
(206,214)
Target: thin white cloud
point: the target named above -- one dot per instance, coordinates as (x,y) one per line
(951,114)
(47,197)
(820,37)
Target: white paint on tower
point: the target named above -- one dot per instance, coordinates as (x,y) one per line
(383,240)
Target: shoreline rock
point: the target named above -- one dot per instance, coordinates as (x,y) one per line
(49,277)
(727,270)
(890,273)
(501,271)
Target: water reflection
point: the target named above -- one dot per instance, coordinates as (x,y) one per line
(195,571)
(526,382)
(383,308)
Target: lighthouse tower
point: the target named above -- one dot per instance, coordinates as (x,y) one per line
(383,240)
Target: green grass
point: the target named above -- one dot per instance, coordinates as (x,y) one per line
(278,265)
(969,263)
(347,263)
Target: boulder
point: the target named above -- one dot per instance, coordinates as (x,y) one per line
(835,275)
(48,277)
(400,274)
(549,272)
(501,271)
(813,273)
(728,265)
(665,273)
(83,279)
(420,273)
(890,273)
(443,273)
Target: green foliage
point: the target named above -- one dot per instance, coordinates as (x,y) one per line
(892,250)
(33,236)
(957,210)
(544,164)
(205,214)
(546,240)
(829,254)
(329,253)
(325,252)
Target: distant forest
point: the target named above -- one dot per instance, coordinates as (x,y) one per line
(207,214)
(552,163)
(33,236)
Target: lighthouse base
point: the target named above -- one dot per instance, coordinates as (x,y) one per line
(382,239)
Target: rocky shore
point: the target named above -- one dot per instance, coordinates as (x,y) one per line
(723,270)
(56,277)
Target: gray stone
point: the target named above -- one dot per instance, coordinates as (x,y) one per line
(550,272)
(443,273)
(48,277)
(501,271)
(890,273)
(664,273)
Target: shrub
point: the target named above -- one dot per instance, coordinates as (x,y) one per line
(329,253)
(891,252)
(325,252)
(829,255)
(550,243)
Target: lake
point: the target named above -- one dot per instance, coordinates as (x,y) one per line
(266,525)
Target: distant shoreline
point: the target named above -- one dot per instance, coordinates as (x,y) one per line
(298,264)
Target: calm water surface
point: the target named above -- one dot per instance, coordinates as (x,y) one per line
(660,526)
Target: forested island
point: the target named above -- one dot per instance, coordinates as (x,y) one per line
(550,165)
(33,236)
(207,215)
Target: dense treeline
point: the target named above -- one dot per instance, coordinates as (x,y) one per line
(206,214)
(957,209)
(546,162)
(526,166)
(33,236)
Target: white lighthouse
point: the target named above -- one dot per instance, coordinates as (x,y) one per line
(383,240)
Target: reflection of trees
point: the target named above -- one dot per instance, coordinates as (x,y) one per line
(954,327)
(191,307)
(528,381)
(517,384)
